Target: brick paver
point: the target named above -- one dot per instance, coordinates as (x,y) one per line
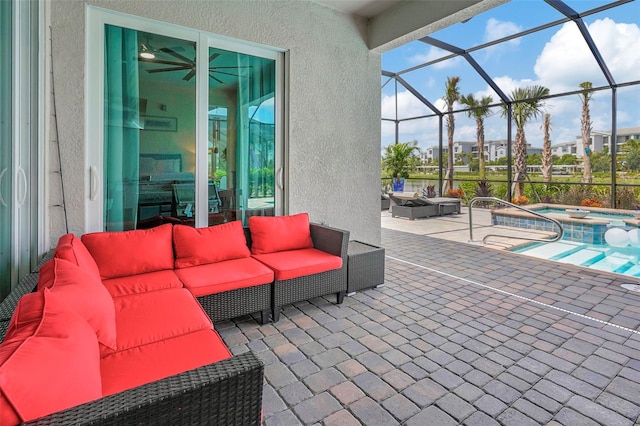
(463,347)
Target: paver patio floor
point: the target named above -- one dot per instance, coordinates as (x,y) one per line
(459,334)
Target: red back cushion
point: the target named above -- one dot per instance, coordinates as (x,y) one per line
(198,246)
(119,254)
(270,234)
(85,294)
(49,360)
(71,248)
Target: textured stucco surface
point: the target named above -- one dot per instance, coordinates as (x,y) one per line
(333,161)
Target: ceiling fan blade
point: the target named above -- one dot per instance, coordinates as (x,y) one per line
(189,75)
(160,61)
(213,56)
(176,55)
(223,73)
(181,68)
(216,79)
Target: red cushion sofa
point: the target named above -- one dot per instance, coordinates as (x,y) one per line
(114,333)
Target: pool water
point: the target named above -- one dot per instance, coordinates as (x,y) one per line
(624,261)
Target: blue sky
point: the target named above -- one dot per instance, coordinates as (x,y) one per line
(557,58)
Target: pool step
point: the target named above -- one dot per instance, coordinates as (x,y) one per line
(634,271)
(553,251)
(614,262)
(583,257)
(625,261)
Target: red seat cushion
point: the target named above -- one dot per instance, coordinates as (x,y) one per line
(271,234)
(49,360)
(298,263)
(199,246)
(154,361)
(71,248)
(119,254)
(150,317)
(85,294)
(224,276)
(141,283)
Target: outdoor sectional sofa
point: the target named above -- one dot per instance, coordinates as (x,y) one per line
(114,334)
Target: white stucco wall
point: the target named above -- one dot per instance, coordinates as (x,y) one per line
(333,100)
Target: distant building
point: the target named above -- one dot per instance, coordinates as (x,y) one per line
(599,139)
(564,148)
(433,153)
(493,150)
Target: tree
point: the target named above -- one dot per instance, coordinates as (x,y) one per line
(452,94)
(600,162)
(400,159)
(566,160)
(585,127)
(526,104)
(534,159)
(547,160)
(463,158)
(480,110)
(630,155)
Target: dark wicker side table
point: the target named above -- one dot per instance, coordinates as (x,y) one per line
(365,266)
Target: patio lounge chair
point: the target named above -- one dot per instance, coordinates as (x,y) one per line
(409,205)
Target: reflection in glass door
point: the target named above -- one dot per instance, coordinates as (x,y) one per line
(149,136)
(6,152)
(241,134)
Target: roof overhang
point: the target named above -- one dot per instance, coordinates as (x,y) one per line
(392,23)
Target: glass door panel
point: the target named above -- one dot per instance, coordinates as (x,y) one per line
(241,135)
(6,151)
(150,129)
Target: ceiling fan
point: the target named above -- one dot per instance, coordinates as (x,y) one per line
(183,63)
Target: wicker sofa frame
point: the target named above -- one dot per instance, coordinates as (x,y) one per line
(228,392)
(327,239)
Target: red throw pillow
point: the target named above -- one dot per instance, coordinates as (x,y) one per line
(270,234)
(49,362)
(85,294)
(119,254)
(198,246)
(71,248)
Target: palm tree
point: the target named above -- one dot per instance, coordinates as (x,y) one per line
(547,160)
(452,94)
(526,105)
(480,110)
(399,159)
(585,127)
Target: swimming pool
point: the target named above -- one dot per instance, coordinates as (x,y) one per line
(623,261)
(593,214)
(589,230)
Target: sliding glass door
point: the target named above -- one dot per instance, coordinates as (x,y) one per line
(242,137)
(6,151)
(19,118)
(190,131)
(149,133)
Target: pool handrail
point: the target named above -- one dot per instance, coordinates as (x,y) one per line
(533,212)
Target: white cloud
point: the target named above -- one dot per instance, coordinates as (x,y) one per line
(435,53)
(566,61)
(408,106)
(497,29)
